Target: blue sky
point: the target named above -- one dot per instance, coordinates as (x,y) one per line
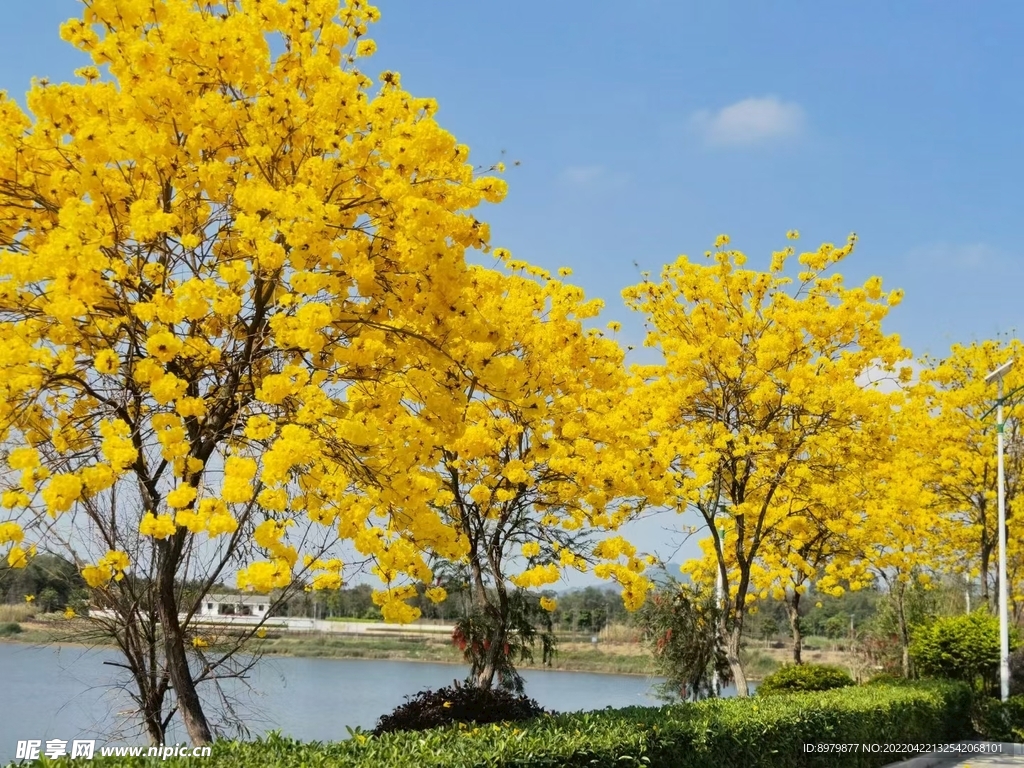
(644,129)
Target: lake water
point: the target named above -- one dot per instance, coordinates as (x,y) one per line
(66,693)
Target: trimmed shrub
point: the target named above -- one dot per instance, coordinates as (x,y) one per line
(1017,672)
(717,733)
(964,647)
(887,678)
(800,678)
(458,704)
(995,720)
(9,628)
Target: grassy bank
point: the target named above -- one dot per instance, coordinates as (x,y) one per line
(575,657)
(570,657)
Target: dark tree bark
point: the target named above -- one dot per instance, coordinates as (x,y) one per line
(189,706)
(899,592)
(795,625)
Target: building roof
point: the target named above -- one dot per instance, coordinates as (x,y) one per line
(237,599)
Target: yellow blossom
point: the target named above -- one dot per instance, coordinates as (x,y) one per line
(157,526)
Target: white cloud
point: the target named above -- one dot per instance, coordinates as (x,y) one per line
(749,122)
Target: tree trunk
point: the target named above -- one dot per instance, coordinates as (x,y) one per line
(732,654)
(904,629)
(793,609)
(189,706)
(485,661)
(491,660)
(154,725)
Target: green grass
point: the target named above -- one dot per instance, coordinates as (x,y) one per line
(757,664)
(17,612)
(350,620)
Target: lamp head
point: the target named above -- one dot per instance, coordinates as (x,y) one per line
(999,372)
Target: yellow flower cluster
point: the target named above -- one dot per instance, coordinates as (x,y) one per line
(436,594)
(18,555)
(393,605)
(331,576)
(268,535)
(61,493)
(613,548)
(265,576)
(11,531)
(111,566)
(210,515)
(538,576)
(116,444)
(239,472)
(157,526)
(181,497)
(635,585)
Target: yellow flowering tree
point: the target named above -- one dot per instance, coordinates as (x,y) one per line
(816,536)
(208,249)
(547,458)
(963,435)
(902,537)
(759,398)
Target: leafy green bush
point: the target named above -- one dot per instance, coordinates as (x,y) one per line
(1017,672)
(679,625)
(797,678)
(964,647)
(458,704)
(717,733)
(886,678)
(995,720)
(9,628)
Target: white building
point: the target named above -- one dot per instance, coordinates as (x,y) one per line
(217,606)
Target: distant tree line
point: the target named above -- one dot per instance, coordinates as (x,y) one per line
(587,609)
(52,582)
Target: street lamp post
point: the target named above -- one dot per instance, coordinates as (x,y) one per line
(720,604)
(1004,629)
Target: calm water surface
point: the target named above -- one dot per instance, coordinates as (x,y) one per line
(68,693)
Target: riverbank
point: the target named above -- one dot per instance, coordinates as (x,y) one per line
(615,659)
(605,657)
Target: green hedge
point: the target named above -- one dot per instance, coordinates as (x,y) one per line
(729,733)
(996,720)
(795,678)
